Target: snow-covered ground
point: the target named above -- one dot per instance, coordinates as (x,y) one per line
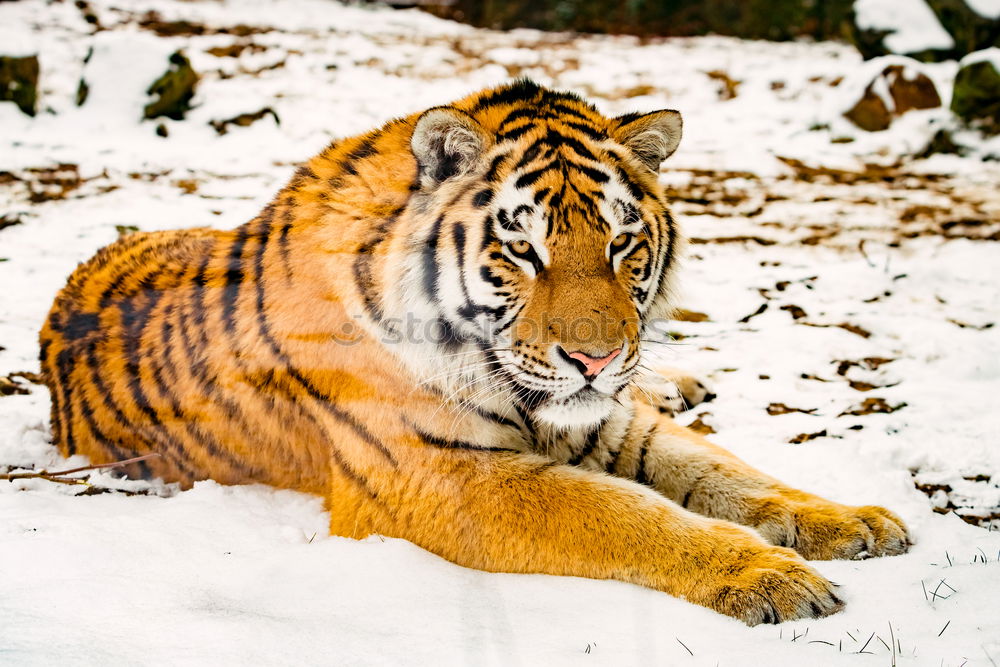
(788,207)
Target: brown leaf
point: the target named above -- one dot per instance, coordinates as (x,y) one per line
(782,409)
(754,314)
(868,363)
(853,328)
(805,437)
(873,406)
(796,312)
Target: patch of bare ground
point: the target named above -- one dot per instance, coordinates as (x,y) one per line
(832,207)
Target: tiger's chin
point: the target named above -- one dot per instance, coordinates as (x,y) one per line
(586,407)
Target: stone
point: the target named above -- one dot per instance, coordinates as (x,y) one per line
(172,92)
(894,91)
(19,82)
(976,97)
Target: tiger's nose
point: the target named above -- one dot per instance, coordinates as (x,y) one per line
(588,365)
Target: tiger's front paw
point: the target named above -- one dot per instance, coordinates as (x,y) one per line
(823,530)
(672,391)
(772,585)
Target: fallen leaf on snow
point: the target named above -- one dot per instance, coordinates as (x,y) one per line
(782,409)
(806,437)
(872,406)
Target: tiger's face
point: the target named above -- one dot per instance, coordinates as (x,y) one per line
(549,252)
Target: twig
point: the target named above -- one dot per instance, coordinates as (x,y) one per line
(59,476)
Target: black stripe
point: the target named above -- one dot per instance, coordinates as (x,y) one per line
(595,175)
(429,256)
(564,110)
(482,198)
(87,411)
(531,177)
(611,466)
(522,90)
(556,139)
(634,188)
(507,222)
(361,430)
(203,438)
(592,133)
(362,269)
(233,279)
(516,114)
(640,473)
(489,277)
(365,149)
(455,444)
(493,173)
(529,155)
(64,364)
(353,475)
(516,133)
(591,443)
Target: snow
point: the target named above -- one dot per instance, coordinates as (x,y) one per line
(230,575)
(913,25)
(986,8)
(990,55)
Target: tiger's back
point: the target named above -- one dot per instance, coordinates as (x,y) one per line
(128,352)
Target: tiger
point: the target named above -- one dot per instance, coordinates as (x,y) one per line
(438,326)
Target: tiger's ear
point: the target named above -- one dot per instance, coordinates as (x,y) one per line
(652,137)
(447,142)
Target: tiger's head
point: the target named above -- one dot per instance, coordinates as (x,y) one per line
(545,244)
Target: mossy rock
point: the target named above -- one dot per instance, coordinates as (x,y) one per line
(173,91)
(976,97)
(19,82)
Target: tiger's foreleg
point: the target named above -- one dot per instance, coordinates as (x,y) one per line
(704,478)
(520,513)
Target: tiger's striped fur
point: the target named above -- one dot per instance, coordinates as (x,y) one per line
(398,331)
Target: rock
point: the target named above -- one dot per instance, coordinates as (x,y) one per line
(871,112)
(942,143)
(976,97)
(173,91)
(926,30)
(894,91)
(19,82)
(902,27)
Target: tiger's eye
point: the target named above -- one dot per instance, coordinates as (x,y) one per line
(620,241)
(520,248)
